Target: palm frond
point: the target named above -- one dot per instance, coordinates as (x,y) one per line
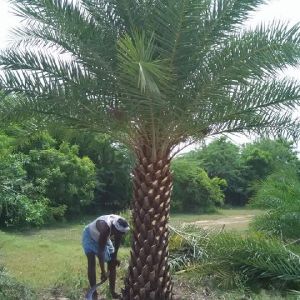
(255,258)
(138,65)
(167,70)
(67,27)
(43,63)
(255,54)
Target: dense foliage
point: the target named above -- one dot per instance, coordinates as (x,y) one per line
(44,183)
(264,157)
(45,177)
(66,179)
(20,201)
(279,194)
(193,190)
(244,167)
(113,164)
(221,158)
(276,153)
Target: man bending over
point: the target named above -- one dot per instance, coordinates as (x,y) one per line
(96,242)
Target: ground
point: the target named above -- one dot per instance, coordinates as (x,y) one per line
(231,219)
(51,260)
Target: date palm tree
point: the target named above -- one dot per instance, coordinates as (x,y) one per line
(153,74)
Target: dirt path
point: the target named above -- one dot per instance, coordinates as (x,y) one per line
(231,222)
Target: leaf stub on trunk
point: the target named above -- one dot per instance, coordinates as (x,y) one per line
(149,276)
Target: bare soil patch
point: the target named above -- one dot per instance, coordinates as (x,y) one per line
(231,222)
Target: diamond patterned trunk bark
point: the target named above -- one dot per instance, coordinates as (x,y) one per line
(149,273)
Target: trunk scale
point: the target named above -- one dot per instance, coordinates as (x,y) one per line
(148,276)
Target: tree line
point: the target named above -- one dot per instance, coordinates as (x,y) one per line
(223,173)
(51,176)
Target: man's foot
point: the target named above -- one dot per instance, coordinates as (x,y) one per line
(115,295)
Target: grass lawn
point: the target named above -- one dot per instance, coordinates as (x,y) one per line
(50,257)
(45,258)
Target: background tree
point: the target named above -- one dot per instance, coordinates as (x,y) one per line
(280,153)
(67,180)
(244,167)
(193,190)
(152,74)
(113,164)
(42,181)
(221,158)
(279,194)
(264,157)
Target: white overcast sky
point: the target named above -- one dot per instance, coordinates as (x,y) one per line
(287,10)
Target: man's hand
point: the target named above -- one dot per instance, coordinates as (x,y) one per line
(115,295)
(115,263)
(104,276)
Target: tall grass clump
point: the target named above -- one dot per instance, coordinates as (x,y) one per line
(70,284)
(280,195)
(11,289)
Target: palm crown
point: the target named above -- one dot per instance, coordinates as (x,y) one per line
(160,71)
(153,74)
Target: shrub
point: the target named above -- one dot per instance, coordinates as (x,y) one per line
(67,179)
(16,205)
(41,186)
(280,194)
(277,154)
(193,189)
(21,210)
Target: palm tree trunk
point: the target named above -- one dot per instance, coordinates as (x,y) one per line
(149,273)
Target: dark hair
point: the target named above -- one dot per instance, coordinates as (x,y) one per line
(123,223)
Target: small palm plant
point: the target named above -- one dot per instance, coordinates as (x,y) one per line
(153,74)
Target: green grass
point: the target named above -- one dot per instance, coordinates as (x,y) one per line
(40,258)
(51,257)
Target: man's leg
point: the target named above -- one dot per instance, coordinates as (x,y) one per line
(111,265)
(92,271)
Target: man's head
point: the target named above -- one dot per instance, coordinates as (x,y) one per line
(121,226)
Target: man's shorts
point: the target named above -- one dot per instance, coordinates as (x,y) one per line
(91,246)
